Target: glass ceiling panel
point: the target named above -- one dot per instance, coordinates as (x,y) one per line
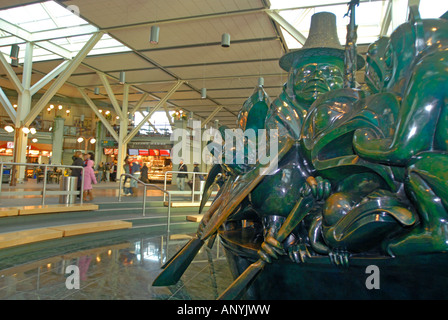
(369,16)
(49,16)
(432,8)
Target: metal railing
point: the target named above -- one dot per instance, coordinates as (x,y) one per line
(145,186)
(44,191)
(193,192)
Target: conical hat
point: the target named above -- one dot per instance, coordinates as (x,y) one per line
(322,41)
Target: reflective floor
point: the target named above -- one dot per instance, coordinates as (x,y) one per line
(121,270)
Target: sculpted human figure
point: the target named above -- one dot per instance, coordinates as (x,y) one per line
(313,70)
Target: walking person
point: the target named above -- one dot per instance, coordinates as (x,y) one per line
(135,171)
(88,179)
(107,169)
(197,177)
(113,171)
(181,176)
(127,181)
(144,174)
(77,172)
(99,173)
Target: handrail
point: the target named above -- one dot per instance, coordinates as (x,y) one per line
(193,180)
(44,191)
(145,185)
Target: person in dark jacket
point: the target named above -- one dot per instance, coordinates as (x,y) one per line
(77,172)
(144,174)
(181,176)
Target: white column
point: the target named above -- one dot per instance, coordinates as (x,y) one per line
(23,109)
(122,143)
(58,140)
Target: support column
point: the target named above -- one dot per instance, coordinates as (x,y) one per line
(58,140)
(122,146)
(122,143)
(23,110)
(99,136)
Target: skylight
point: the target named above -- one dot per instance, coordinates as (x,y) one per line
(369,16)
(50,25)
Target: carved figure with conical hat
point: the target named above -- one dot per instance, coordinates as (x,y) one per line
(313,70)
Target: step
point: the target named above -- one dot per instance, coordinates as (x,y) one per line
(17,238)
(186,204)
(90,227)
(158,215)
(56,208)
(159,220)
(9,212)
(195,217)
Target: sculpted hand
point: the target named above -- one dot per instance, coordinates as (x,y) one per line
(298,253)
(270,248)
(320,188)
(339,258)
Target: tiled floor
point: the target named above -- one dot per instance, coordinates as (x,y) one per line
(108,268)
(122,271)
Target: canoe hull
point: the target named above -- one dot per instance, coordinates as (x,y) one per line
(413,277)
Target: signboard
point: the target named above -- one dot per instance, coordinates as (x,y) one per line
(10,145)
(107,143)
(143,152)
(154,152)
(165,153)
(110,151)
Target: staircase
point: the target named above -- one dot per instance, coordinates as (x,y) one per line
(101,228)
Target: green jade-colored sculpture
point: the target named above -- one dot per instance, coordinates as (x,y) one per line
(361,176)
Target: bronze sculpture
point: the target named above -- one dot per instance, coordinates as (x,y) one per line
(364,171)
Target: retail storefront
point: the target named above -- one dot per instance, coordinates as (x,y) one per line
(158,162)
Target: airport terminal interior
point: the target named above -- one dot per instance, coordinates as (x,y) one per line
(112,81)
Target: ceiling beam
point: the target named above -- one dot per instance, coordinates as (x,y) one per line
(12,76)
(7,106)
(148,116)
(139,104)
(111,94)
(49,77)
(103,120)
(387,19)
(275,15)
(211,116)
(62,78)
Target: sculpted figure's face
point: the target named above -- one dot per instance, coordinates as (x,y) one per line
(314,79)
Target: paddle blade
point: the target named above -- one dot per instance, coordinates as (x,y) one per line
(176,268)
(209,183)
(175,256)
(239,287)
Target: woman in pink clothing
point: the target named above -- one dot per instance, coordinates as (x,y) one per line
(88,179)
